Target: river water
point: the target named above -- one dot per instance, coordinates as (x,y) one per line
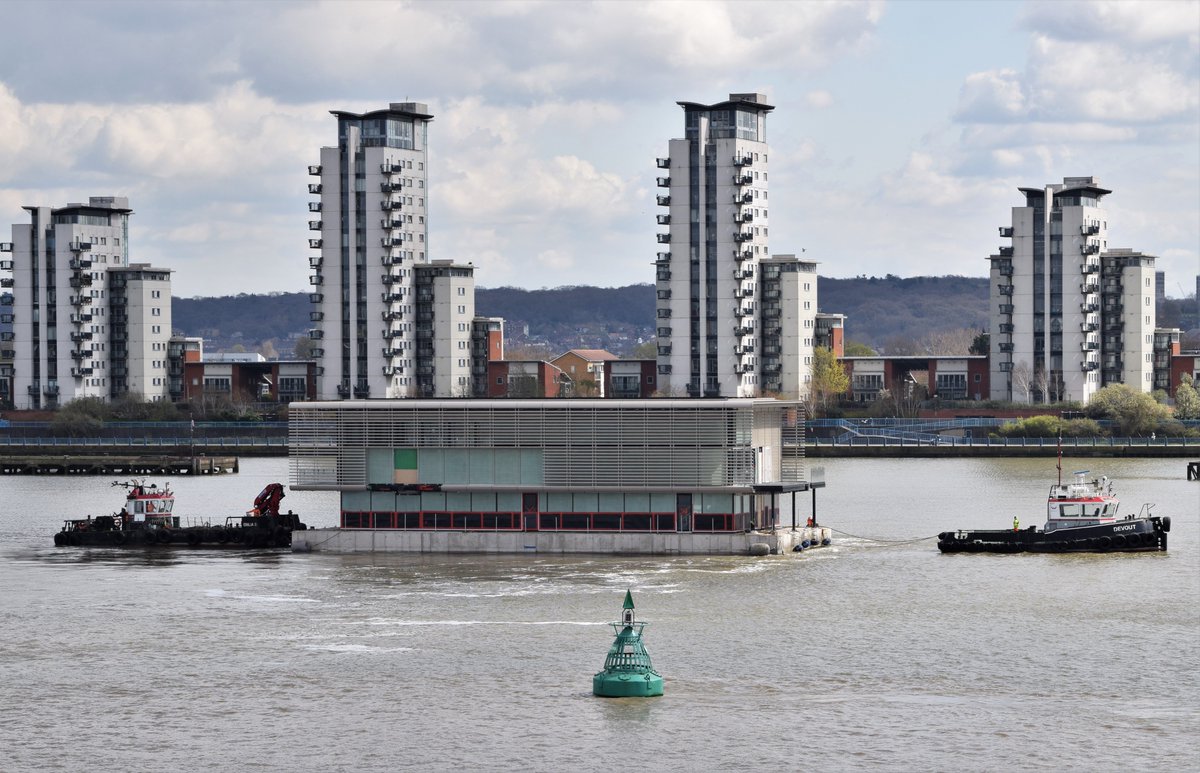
(867,655)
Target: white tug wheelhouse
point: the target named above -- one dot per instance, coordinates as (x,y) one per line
(1081,502)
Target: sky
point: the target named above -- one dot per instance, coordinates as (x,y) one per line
(900,134)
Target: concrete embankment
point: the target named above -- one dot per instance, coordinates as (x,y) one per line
(1100,449)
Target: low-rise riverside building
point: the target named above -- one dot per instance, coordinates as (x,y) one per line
(563,476)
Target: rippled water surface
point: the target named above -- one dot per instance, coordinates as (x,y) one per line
(865,655)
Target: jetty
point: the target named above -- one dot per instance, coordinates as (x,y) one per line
(74,464)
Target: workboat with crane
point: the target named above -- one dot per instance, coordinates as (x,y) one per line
(148,519)
(1081,516)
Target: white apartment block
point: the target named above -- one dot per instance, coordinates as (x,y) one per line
(1062,313)
(445,310)
(370,229)
(84,323)
(788,293)
(707,270)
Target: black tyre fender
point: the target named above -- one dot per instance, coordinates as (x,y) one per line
(60,539)
(221,536)
(1166,523)
(164,536)
(193,538)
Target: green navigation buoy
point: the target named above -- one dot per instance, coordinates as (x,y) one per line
(627,672)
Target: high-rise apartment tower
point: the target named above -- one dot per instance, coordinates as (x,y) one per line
(715,199)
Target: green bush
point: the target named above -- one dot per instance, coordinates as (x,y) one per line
(1048,426)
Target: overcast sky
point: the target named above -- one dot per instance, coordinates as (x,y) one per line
(900,135)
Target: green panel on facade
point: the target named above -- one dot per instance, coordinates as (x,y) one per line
(379,465)
(356,500)
(458,469)
(405,458)
(531,467)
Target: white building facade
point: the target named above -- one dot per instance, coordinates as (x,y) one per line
(715,182)
(1062,318)
(84,323)
(445,311)
(369,230)
(788,297)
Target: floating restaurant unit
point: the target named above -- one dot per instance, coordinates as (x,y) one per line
(655,476)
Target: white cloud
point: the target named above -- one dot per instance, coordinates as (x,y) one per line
(819,99)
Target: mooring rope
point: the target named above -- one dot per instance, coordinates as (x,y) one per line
(876,539)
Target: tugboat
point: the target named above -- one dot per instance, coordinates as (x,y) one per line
(148,520)
(1081,517)
(627,672)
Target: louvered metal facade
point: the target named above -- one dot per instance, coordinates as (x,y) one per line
(659,445)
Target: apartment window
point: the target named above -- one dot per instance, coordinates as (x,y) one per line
(156,312)
(462,291)
(462,309)
(1147,297)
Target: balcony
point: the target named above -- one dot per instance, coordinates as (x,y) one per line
(1089,268)
(6,265)
(1088,308)
(743,236)
(743,349)
(741,160)
(1089,249)
(663,332)
(392,370)
(663,257)
(314,187)
(1006,347)
(314,206)
(79,246)
(81,372)
(1006,308)
(391,241)
(664,238)
(740,255)
(79,264)
(83,280)
(1006,232)
(745,217)
(663,219)
(315,225)
(6,247)
(82,336)
(386,187)
(664,295)
(315,261)
(317,352)
(1005,289)
(743,368)
(1089,346)
(663,182)
(315,244)
(392,331)
(743,179)
(664,369)
(1005,270)
(1089,288)
(1006,366)
(79,319)
(392,297)
(316,279)
(1088,327)
(1089,366)
(316,297)
(391,223)
(314,170)
(6,281)
(1113,308)
(316,334)
(391,206)
(662,275)
(51,390)
(391,316)
(663,313)
(316,316)
(7,335)
(743,329)
(663,201)
(743,198)
(391,168)
(1089,229)
(771,294)
(662,163)
(390,279)
(8,319)
(74,300)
